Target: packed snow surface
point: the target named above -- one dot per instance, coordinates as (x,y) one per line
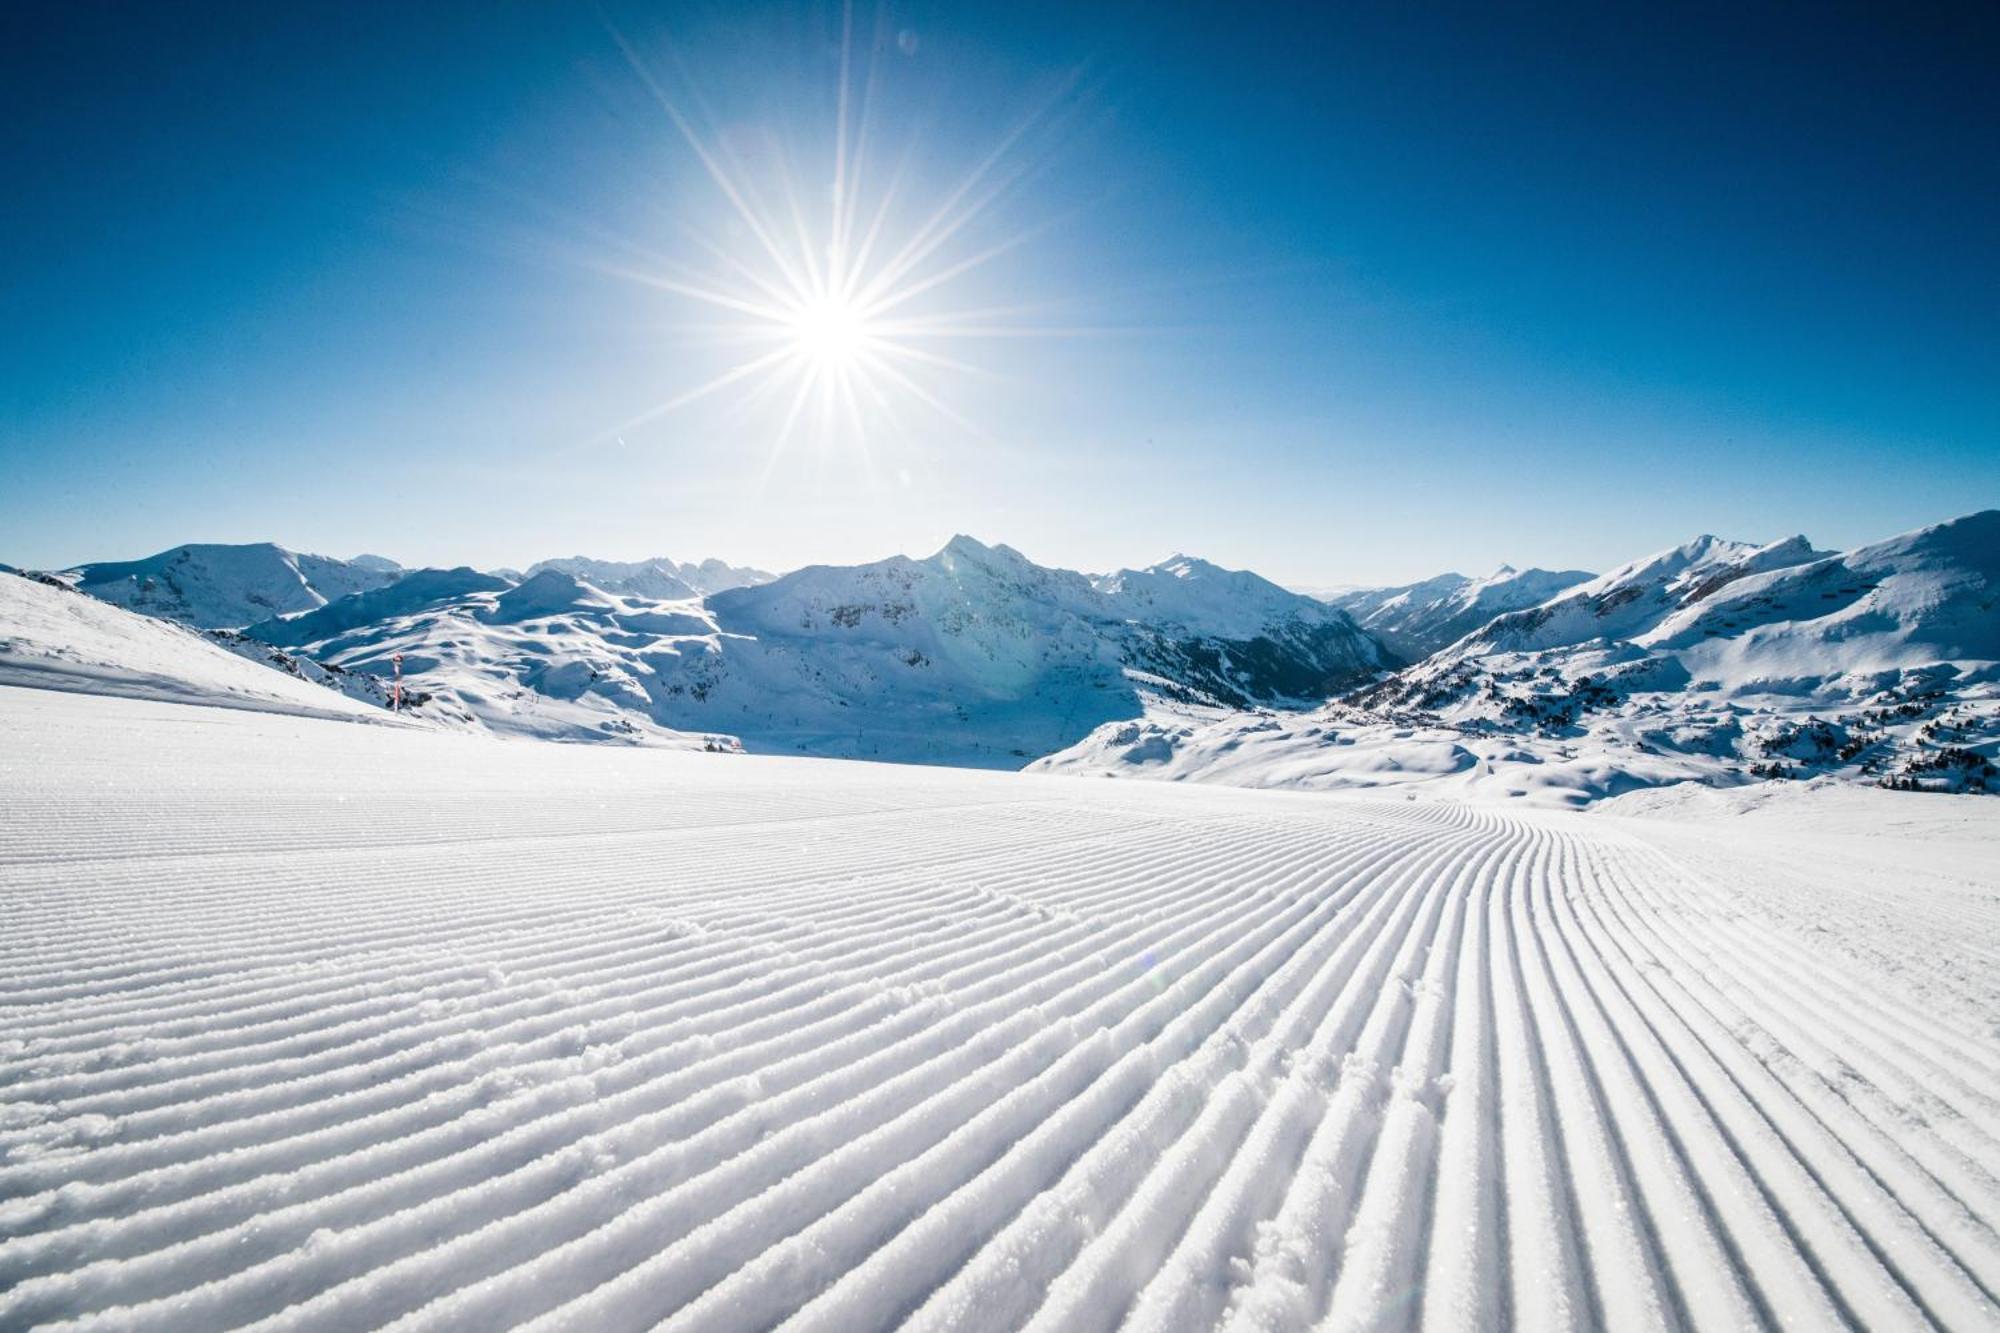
(305,1025)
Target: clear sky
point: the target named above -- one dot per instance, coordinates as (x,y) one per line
(1345,293)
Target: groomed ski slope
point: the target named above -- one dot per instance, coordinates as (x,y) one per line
(311,1025)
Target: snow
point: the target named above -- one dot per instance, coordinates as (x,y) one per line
(1342,749)
(1719,662)
(228,587)
(975,655)
(55,639)
(658,578)
(1417,619)
(322,1026)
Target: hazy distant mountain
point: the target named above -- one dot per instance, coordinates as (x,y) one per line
(660,578)
(380,564)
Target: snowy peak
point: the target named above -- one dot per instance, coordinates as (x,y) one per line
(714,575)
(1670,567)
(1017,650)
(1206,599)
(1187,567)
(1923,597)
(223,586)
(964,547)
(969,553)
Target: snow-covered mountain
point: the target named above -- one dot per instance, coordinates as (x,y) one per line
(1715,661)
(1417,619)
(54,638)
(1634,598)
(974,655)
(977,646)
(659,577)
(548,656)
(227,587)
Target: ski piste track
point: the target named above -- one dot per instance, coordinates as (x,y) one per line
(314,1025)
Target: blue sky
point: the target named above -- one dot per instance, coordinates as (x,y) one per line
(1342,294)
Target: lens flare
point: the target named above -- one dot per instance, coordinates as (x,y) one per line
(841,295)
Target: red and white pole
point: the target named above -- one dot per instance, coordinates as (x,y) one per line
(396,696)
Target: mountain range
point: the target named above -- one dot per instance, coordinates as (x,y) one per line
(973,655)
(1415,620)
(1718,661)
(1714,661)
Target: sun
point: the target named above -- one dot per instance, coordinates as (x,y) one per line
(841,283)
(830,334)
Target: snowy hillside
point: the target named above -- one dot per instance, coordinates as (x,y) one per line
(1930,596)
(54,639)
(975,655)
(1417,619)
(1720,662)
(327,1027)
(549,657)
(228,587)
